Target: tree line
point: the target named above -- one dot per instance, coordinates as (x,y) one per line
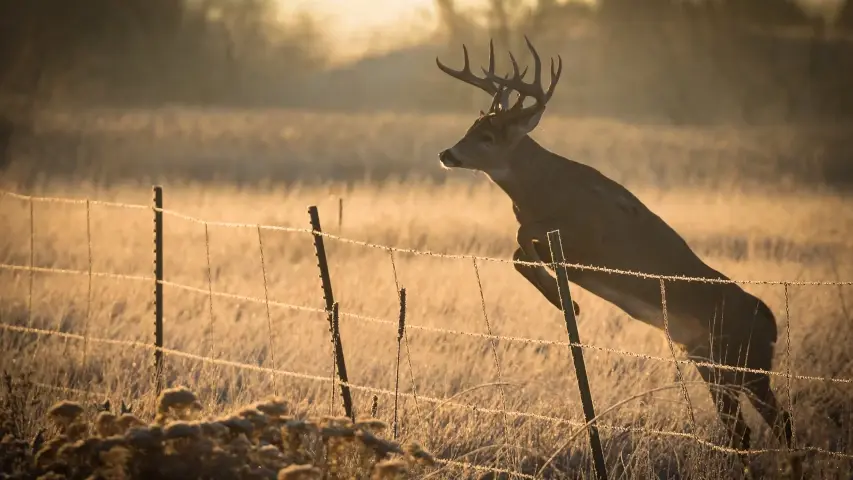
(681,61)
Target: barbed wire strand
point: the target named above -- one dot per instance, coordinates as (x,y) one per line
(333,354)
(32,270)
(443,402)
(30,319)
(483,468)
(211,349)
(68,271)
(445,331)
(679,376)
(72,201)
(267,306)
(556,343)
(492,344)
(88,318)
(406,341)
(788,362)
(577,266)
(77,391)
(411,251)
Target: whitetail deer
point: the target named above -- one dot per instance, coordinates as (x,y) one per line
(603,224)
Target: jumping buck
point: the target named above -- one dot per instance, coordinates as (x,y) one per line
(603,224)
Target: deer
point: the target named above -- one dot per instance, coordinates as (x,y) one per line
(603,224)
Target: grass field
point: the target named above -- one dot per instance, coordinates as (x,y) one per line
(778,232)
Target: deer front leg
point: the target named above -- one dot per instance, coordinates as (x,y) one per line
(537,274)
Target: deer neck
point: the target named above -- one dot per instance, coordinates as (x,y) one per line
(529,162)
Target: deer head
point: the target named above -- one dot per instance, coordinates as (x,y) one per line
(488,144)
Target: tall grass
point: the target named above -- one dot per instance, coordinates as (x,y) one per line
(770,233)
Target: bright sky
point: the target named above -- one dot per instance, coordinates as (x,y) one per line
(355,26)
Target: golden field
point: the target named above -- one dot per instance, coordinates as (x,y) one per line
(749,230)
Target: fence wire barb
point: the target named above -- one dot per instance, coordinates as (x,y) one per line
(452,256)
(77,391)
(679,376)
(211,348)
(88,318)
(32,269)
(73,201)
(68,271)
(443,402)
(482,468)
(443,331)
(492,343)
(271,339)
(461,256)
(397,288)
(32,275)
(788,363)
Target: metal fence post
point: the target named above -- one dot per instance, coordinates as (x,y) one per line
(556,245)
(326,280)
(158,288)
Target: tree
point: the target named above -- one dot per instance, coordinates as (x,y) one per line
(844,20)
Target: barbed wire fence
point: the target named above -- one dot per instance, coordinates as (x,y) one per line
(211,358)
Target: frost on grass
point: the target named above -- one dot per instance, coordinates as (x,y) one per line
(260,441)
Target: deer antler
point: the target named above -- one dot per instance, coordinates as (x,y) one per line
(533,89)
(467,76)
(483,83)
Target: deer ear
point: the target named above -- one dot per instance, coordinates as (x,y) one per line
(522,126)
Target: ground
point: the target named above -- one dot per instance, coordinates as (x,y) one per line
(774,231)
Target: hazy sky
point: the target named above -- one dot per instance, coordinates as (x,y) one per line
(355,26)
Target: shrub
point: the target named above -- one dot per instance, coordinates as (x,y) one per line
(260,441)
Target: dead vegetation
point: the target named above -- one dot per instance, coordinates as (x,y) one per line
(265,440)
(777,231)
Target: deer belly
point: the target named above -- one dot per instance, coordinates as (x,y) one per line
(683,330)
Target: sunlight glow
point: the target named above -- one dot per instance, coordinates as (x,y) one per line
(355,27)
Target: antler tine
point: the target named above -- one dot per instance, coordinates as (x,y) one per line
(533,89)
(492,55)
(537,64)
(555,77)
(514,65)
(467,76)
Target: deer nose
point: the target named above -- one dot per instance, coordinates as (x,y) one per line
(447,159)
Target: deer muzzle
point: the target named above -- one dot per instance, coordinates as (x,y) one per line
(447,159)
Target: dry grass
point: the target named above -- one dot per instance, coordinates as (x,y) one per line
(792,236)
(301,146)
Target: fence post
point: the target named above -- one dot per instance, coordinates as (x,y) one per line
(401,329)
(320,249)
(158,288)
(340,214)
(556,245)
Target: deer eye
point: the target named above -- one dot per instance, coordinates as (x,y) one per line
(486,136)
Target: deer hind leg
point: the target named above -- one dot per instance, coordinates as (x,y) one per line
(725,386)
(724,392)
(761,396)
(779,419)
(540,278)
(764,400)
